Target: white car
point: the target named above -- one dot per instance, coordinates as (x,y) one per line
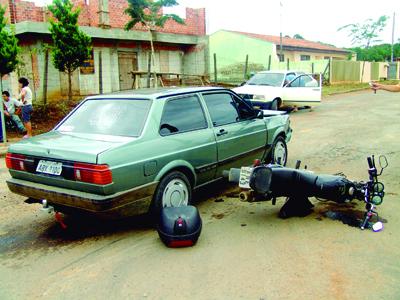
(273,89)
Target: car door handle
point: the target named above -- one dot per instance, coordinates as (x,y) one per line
(222,132)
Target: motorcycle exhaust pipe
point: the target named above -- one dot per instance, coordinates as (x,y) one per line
(233,175)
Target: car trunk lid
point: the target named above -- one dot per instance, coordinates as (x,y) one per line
(67,146)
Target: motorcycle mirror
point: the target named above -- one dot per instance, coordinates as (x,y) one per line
(383,163)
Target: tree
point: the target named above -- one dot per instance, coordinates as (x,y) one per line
(380,52)
(147,13)
(71,47)
(8,48)
(298,37)
(365,34)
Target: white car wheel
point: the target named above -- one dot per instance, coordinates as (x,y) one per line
(175,194)
(279,152)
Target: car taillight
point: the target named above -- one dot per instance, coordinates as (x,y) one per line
(15,161)
(91,173)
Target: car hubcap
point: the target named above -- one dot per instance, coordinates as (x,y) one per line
(176,194)
(280,153)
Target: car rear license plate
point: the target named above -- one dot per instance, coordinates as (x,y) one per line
(49,167)
(244,179)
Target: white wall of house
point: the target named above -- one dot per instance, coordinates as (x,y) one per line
(295,56)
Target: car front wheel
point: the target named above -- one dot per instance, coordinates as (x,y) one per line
(279,153)
(174,190)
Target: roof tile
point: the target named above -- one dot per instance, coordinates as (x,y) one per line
(290,42)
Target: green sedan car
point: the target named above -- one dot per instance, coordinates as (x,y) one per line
(129,153)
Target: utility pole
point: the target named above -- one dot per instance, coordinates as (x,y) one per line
(394,21)
(280,46)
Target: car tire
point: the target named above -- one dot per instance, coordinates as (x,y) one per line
(274,104)
(279,152)
(174,190)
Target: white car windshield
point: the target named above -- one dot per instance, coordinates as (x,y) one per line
(119,117)
(269,79)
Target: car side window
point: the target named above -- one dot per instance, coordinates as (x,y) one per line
(222,108)
(182,115)
(289,77)
(295,83)
(302,81)
(245,110)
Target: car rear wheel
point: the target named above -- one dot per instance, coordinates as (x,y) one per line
(174,190)
(279,151)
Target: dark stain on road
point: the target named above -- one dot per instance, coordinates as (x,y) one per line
(349,213)
(46,236)
(218,216)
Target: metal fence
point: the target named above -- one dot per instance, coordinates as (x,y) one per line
(231,71)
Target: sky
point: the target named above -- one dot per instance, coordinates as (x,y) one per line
(315,20)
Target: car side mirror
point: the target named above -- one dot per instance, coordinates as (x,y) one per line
(259,114)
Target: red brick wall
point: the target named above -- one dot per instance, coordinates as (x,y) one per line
(194,22)
(6,4)
(27,11)
(84,16)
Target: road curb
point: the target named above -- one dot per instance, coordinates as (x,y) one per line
(347,92)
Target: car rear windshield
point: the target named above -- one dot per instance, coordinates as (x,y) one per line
(268,79)
(120,117)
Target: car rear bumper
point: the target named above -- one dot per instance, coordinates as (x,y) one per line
(123,204)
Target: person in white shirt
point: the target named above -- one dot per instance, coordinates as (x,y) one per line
(10,105)
(26,98)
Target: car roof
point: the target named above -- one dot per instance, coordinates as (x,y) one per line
(279,71)
(156,93)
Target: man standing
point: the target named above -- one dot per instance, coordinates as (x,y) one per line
(9,112)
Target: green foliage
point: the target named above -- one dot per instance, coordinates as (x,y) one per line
(71,47)
(298,37)
(365,34)
(376,53)
(147,13)
(8,47)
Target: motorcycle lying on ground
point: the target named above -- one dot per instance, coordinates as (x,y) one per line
(264,182)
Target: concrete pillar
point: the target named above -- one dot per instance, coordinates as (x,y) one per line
(104,19)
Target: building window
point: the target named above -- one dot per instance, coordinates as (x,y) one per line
(281,57)
(304,57)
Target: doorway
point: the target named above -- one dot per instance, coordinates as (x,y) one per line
(127,63)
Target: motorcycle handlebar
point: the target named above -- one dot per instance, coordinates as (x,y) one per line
(370,163)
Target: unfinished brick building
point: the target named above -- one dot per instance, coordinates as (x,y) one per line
(180,49)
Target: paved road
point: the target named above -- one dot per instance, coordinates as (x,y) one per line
(245,251)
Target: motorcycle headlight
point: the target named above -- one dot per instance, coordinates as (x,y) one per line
(378,187)
(377,199)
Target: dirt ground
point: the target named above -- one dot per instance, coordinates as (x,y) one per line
(245,251)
